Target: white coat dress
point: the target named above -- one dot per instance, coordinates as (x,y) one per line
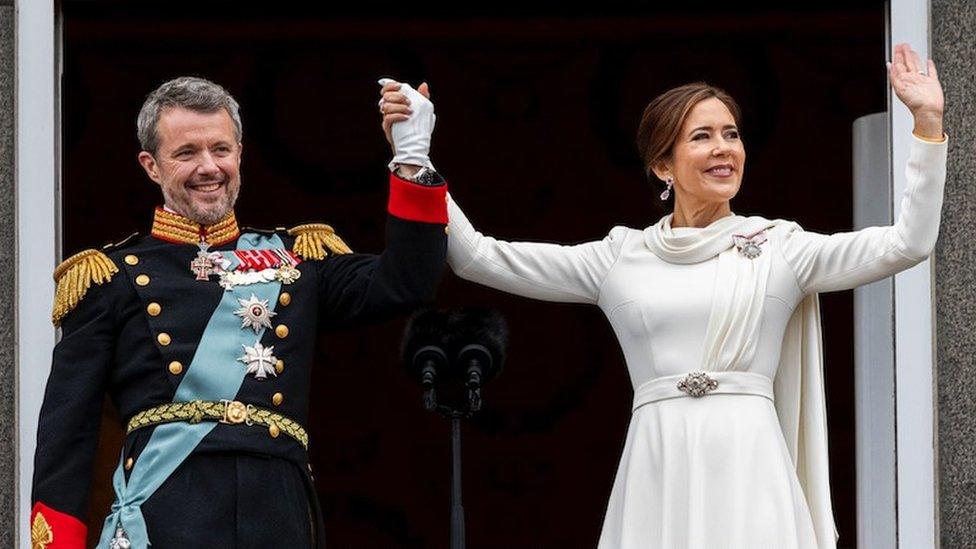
(711,472)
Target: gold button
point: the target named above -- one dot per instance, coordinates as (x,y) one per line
(176,367)
(128,464)
(154,309)
(281,331)
(142,280)
(131,260)
(163,339)
(277,399)
(274,431)
(285,299)
(447,230)
(280,366)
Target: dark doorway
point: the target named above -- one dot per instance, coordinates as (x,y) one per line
(537,112)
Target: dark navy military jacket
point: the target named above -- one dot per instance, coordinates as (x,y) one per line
(134,336)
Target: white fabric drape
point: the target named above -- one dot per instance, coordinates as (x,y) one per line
(733,330)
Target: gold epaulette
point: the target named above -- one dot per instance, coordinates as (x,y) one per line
(74,276)
(312,241)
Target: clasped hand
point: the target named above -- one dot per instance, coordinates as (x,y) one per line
(408,114)
(408,122)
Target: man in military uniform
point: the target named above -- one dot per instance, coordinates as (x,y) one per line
(202,334)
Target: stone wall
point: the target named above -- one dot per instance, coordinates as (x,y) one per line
(8,369)
(954,51)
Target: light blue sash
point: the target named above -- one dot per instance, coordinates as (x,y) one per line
(213,374)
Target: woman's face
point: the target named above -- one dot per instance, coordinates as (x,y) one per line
(708,157)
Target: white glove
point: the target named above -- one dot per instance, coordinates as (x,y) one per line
(411,138)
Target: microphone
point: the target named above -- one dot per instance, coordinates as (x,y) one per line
(454,352)
(478,338)
(423,351)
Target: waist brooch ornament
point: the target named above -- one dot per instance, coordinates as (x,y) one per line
(697,384)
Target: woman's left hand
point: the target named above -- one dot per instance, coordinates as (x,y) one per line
(920,92)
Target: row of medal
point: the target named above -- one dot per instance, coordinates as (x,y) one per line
(244,267)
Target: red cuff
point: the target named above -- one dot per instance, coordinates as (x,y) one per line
(414,202)
(52,529)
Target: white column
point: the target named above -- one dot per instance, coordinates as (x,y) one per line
(37,253)
(914,339)
(874,345)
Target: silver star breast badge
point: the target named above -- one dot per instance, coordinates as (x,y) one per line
(259,360)
(254,313)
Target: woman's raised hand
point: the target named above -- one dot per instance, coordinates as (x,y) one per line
(918,89)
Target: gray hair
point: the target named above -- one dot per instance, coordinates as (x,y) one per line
(185,92)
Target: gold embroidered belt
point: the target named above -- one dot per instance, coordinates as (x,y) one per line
(231,412)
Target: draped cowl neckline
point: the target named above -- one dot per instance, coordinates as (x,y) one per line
(693,245)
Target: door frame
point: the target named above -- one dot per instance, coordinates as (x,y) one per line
(38,250)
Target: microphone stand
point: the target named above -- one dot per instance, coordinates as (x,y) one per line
(428,336)
(455,415)
(457,508)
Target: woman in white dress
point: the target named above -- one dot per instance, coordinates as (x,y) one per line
(718,319)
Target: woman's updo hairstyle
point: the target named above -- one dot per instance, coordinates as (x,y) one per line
(663,117)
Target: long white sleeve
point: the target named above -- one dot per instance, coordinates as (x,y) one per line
(840,261)
(549,272)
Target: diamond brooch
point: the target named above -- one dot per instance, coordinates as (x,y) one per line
(749,246)
(697,384)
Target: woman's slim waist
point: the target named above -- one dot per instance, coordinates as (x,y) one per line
(702,385)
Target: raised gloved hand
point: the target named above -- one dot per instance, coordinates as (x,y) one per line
(408,122)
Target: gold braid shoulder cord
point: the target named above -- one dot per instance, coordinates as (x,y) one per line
(316,240)
(74,276)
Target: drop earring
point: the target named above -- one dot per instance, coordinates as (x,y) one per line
(667,192)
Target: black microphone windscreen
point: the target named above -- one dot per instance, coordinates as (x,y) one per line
(482,326)
(427,327)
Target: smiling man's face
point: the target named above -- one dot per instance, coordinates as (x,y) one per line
(197,164)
